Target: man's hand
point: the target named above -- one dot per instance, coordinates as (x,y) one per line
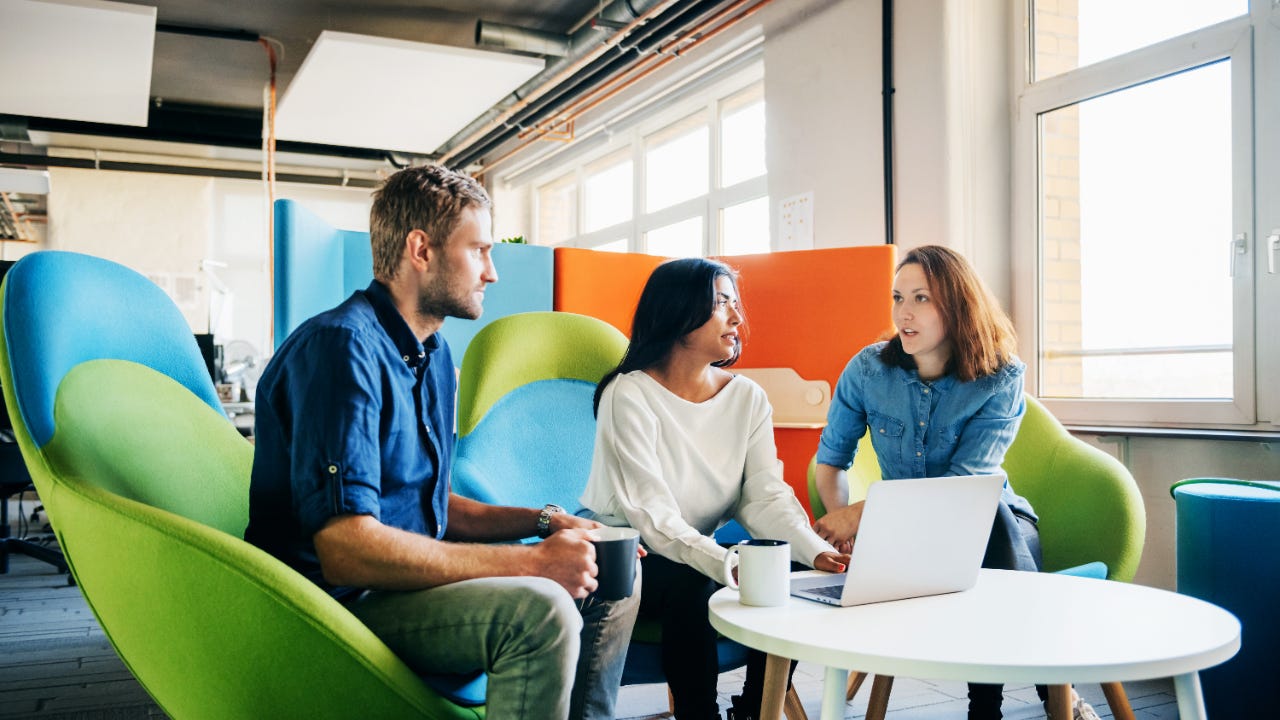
(839,526)
(831,562)
(569,558)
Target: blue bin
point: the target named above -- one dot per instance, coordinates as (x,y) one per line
(1229,555)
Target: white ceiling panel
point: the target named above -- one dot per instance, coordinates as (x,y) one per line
(370,92)
(76,60)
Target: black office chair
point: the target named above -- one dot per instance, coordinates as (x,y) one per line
(13,480)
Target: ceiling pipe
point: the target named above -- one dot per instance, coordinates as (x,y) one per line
(654,38)
(590,99)
(661,38)
(585,46)
(522,40)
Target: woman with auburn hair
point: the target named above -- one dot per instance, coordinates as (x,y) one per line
(943,397)
(683,446)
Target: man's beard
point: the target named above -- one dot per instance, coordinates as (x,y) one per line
(440,300)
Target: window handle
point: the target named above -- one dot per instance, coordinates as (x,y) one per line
(1239,246)
(1273,244)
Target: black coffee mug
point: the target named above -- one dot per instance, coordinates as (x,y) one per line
(616,549)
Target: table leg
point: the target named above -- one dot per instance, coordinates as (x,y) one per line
(1190,699)
(776,669)
(1059,702)
(833,689)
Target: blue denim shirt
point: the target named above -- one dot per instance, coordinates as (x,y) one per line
(919,429)
(354,416)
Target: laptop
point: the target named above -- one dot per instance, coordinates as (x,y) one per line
(918,537)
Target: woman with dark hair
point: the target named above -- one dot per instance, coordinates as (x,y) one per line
(683,446)
(942,397)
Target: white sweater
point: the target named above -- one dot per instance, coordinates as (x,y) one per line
(676,471)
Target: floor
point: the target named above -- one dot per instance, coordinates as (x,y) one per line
(56,664)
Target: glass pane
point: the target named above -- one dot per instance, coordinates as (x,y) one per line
(1074,33)
(557,210)
(1136,206)
(676,162)
(613,246)
(682,239)
(744,228)
(742,143)
(607,193)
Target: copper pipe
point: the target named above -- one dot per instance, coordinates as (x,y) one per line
(552,83)
(612,88)
(269,146)
(576,109)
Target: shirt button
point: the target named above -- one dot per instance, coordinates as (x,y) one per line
(406,358)
(333,469)
(917,454)
(926,391)
(921,423)
(881,431)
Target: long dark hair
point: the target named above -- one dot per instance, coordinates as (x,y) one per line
(678,298)
(982,338)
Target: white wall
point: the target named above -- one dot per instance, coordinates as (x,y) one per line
(162,229)
(166,226)
(822,105)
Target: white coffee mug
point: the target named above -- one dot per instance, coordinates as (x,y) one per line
(764,572)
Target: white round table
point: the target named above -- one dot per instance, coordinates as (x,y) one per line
(1012,627)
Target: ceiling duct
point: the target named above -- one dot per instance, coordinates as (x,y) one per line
(522,40)
(514,117)
(579,44)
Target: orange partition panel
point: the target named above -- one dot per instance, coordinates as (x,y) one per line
(812,310)
(604,285)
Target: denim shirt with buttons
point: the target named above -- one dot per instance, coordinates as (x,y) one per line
(354,416)
(925,429)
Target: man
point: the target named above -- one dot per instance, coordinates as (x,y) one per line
(354,434)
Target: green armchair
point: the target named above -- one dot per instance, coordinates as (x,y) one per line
(146,484)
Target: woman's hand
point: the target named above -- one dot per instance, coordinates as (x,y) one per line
(565,521)
(839,526)
(831,562)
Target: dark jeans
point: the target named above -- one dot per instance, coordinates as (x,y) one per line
(677,595)
(1014,545)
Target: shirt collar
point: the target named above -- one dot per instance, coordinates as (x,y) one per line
(414,353)
(942,384)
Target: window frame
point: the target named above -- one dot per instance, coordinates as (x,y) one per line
(710,104)
(1232,39)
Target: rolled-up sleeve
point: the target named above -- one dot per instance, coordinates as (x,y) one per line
(334,391)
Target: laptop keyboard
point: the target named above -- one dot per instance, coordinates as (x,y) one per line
(831,591)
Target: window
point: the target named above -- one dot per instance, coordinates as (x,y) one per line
(744,228)
(558,210)
(675,162)
(689,181)
(1135,203)
(1072,35)
(681,239)
(606,193)
(742,137)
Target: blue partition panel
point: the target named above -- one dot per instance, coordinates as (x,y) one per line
(524,285)
(318,266)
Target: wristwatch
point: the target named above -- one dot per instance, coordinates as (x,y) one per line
(544,518)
